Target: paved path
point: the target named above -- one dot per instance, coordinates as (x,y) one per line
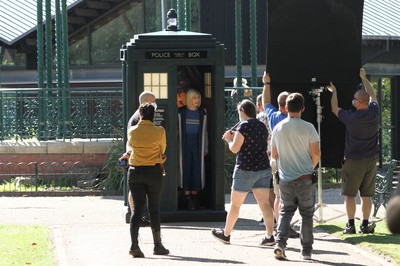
(91,231)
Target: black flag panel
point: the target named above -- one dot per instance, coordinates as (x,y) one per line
(309,44)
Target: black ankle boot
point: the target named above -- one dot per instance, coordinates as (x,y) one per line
(135,249)
(159,249)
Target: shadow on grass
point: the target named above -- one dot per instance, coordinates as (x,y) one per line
(379,237)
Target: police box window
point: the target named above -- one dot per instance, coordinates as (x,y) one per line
(157,83)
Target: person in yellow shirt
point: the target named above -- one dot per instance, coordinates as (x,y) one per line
(144,97)
(148,144)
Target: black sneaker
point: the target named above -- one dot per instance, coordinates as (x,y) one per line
(369,229)
(279,253)
(349,229)
(219,234)
(268,241)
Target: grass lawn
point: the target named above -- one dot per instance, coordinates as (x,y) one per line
(26,245)
(382,241)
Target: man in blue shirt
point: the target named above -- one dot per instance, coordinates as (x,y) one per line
(360,154)
(274,116)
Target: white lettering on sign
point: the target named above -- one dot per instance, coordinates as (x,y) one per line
(179,55)
(194,54)
(161,55)
(176,54)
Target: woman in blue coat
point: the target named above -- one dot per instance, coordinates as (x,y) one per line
(192,120)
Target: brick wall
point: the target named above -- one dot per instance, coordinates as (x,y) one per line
(19,157)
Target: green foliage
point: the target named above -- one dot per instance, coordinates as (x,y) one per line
(78,52)
(152,18)
(195,16)
(59,183)
(113,181)
(26,245)
(55,183)
(383,89)
(107,38)
(10,58)
(386,114)
(330,175)
(230,159)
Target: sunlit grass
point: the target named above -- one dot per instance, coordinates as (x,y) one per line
(11,186)
(26,245)
(382,241)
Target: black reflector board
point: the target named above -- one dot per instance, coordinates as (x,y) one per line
(309,44)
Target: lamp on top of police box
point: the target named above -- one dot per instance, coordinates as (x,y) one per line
(172,20)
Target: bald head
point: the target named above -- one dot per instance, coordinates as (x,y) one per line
(362,96)
(147,97)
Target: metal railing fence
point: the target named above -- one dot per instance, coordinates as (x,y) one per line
(92,114)
(48,177)
(231,101)
(88,113)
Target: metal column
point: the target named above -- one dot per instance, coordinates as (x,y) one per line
(66,94)
(59,69)
(253,41)
(238,39)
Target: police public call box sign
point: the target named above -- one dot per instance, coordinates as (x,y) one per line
(176,54)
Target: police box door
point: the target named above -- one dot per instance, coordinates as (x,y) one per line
(162,82)
(170,83)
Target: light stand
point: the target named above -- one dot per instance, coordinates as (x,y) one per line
(315,93)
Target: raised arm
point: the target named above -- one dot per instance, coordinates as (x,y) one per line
(266,95)
(334,100)
(367,85)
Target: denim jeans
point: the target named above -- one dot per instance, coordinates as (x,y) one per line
(297,194)
(245,181)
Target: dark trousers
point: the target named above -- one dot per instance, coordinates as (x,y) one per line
(146,181)
(191,164)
